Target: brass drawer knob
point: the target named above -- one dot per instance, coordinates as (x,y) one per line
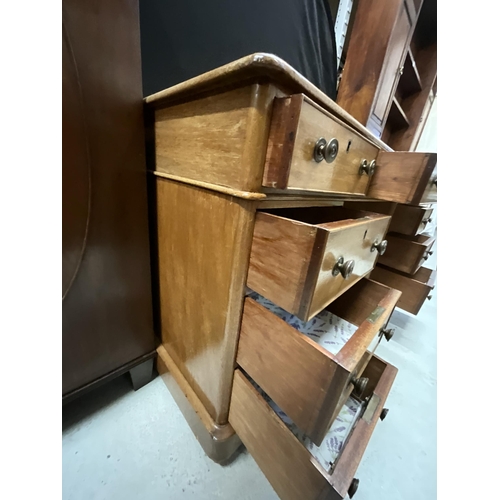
(388,333)
(325,151)
(426,254)
(379,246)
(343,267)
(353,487)
(384,413)
(359,384)
(429,297)
(426,221)
(365,168)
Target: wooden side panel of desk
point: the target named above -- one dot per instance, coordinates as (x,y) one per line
(204,241)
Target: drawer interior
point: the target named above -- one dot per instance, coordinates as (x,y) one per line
(295,252)
(422,239)
(296,467)
(326,217)
(309,367)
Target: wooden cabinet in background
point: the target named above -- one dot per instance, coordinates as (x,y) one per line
(107,326)
(389,79)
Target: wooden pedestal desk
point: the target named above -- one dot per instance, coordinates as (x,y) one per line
(250,166)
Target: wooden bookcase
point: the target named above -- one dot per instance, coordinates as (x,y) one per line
(389,78)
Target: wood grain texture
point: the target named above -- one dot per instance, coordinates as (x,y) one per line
(312,388)
(299,123)
(219,442)
(378,207)
(294,251)
(203,242)
(303,388)
(353,242)
(219,139)
(430,192)
(402,176)
(107,319)
(407,139)
(280,258)
(405,219)
(292,471)
(246,195)
(409,220)
(406,253)
(368,45)
(258,67)
(415,289)
(282,135)
(389,76)
(381,376)
(288,201)
(289,467)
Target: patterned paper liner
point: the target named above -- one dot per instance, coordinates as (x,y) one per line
(336,437)
(326,329)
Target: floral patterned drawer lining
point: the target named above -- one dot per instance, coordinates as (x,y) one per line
(326,329)
(336,437)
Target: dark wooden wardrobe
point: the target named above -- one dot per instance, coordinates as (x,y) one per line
(107,308)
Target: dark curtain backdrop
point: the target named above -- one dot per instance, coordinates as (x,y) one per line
(184,38)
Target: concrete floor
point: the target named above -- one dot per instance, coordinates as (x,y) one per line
(126,445)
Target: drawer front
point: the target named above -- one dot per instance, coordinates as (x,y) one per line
(309,382)
(409,220)
(405,177)
(415,289)
(288,465)
(430,193)
(406,253)
(291,163)
(297,264)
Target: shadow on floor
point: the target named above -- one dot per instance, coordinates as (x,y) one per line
(95,401)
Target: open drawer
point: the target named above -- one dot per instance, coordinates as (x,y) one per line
(310,369)
(304,258)
(407,253)
(405,177)
(410,220)
(414,289)
(311,150)
(292,465)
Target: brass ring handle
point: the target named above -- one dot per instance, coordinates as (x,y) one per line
(365,168)
(379,246)
(325,150)
(343,267)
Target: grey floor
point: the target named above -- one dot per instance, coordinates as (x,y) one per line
(121,444)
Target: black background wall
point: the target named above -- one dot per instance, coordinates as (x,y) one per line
(183,38)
